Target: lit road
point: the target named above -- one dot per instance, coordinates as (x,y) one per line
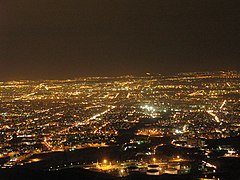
(84,122)
(214,115)
(45,142)
(224,102)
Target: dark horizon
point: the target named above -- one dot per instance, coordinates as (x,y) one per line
(70,39)
(113,76)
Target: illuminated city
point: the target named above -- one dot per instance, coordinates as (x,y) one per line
(151,125)
(120,89)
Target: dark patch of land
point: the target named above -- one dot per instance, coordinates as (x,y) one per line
(76,173)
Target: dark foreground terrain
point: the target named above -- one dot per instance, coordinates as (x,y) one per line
(77,173)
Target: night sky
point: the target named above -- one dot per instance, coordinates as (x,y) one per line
(46,39)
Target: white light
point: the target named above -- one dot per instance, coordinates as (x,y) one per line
(178,131)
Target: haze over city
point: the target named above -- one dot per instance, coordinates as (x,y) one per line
(61,39)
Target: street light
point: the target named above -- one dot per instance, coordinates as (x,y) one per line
(105,161)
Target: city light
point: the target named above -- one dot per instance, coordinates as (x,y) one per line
(148,125)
